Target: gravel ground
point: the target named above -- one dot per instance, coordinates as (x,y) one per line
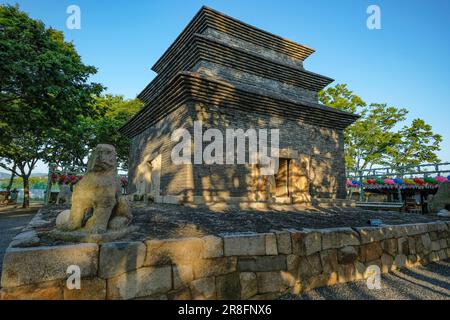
(430,282)
(174,221)
(12,220)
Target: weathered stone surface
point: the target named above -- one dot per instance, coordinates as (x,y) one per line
(120,257)
(370,251)
(249,285)
(99,194)
(212,247)
(228,287)
(441,198)
(142,282)
(182,275)
(33,265)
(284,242)
(305,242)
(271,282)
(435,245)
(244,244)
(173,251)
(433,235)
(371,234)
(346,273)
(386,263)
(389,246)
(153,297)
(310,266)
(347,255)
(433,257)
(214,267)
(292,262)
(25,239)
(320,280)
(442,254)
(400,261)
(412,245)
(203,289)
(360,270)
(418,244)
(426,241)
(91,289)
(89,237)
(63,218)
(411,261)
(329,259)
(262,263)
(271,244)
(180,294)
(403,246)
(38,221)
(410,229)
(338,238)
(266,296)
(50,290)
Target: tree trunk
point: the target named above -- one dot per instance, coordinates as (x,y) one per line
(11,180)
(26,192)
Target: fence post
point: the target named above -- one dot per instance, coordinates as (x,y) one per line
(51,169)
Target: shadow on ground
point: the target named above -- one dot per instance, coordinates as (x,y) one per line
(430,282)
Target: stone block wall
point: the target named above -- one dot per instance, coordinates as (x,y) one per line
(226,266)
(175,179)
(320,148)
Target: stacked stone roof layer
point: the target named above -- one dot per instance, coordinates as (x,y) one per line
(218,59)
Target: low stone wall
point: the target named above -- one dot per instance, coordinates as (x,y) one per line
(228,266)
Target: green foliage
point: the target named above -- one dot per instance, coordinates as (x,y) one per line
(35,183)
(116,111)
(44,90)
(374,140)
(418,144)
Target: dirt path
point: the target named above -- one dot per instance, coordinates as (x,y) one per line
(12,220)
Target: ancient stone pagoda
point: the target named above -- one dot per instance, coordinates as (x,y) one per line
(231,75)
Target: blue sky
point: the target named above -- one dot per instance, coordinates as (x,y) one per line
(405,64)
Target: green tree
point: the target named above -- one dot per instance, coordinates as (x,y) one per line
(115,111)
(418,144)
(44,89)
(374,140)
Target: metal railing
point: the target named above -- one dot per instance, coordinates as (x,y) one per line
(424,170)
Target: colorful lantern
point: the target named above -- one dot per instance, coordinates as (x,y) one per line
(430,180)
(54,177)
(408,181)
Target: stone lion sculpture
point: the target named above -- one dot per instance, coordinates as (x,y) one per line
(97,204)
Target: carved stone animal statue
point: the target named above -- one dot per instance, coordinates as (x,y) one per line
(97,204)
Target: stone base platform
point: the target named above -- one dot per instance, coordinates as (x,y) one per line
(223,266)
